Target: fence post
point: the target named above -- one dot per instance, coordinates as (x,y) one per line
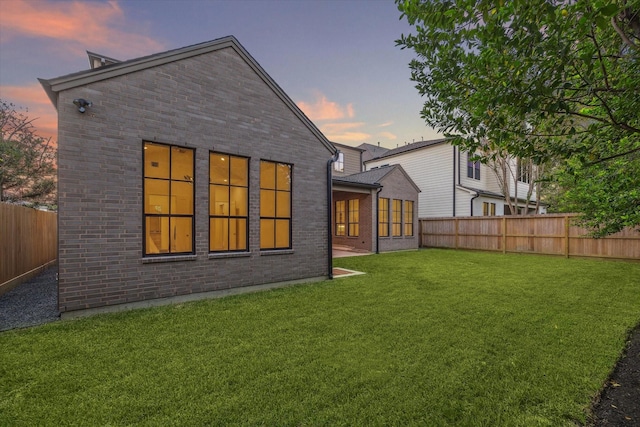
(504,234)
(456,225)
(566,236)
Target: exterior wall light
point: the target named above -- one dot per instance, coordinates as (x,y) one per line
(82,104)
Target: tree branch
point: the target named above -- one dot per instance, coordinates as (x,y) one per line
(622,34)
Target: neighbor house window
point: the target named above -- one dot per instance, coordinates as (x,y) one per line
(383,217)
(168,199)
(473,167)
(340,216)
(408,218)
(338,165)
(397,218)
(228,202)
(275,205)
(524,171)
(354,218)
(488,209)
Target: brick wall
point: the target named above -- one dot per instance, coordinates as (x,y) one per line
(208,102)
(366,205)
(396,186)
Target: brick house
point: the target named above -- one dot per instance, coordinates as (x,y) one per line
(185,172)
(374,210)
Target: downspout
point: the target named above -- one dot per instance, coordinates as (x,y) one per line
(472,199)
(378,220)
(330,163)
(454,180)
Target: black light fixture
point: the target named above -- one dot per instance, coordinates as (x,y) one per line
(82,104)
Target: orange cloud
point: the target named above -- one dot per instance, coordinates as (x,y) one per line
(323,109)
(345,132)
(385,124)
(34,103)
(92,25)
(388,135)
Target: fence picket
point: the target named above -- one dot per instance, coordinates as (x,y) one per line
(28,241)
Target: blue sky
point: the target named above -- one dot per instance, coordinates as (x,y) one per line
(336,59)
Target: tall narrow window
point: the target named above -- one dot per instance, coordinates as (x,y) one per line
(340,216)
(397,218)
(275,205)
(338,165)
(488,209)
(524,171)
(408,218)
(168,199)
(473,167)
(354,218)
(228,202)
(383,217)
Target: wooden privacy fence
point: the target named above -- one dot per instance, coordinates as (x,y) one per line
(28,243)
(541,234)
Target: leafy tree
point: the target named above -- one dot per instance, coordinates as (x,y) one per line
(547,80)
(27,161)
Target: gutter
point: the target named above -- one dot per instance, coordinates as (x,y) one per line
(330,163)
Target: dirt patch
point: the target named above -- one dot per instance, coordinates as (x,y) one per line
(619,402)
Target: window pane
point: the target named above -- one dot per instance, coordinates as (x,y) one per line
(218,200)
(181,198)
(267,175)
(383,229)
(181,164)
(284,177)
(239,201)
(354,230)
(237,234)
(218,234)
(156,160)
(239,171)
(157,239)
(268,203)
(354,214)
(180,237)
(283,204)
(282,233)
(156,196)
(218,168)
(408,218)
(267,229)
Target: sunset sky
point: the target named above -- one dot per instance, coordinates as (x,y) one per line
(336,59)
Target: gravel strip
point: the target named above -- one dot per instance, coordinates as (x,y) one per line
(32,303)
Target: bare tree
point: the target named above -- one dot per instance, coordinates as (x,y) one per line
(27,161)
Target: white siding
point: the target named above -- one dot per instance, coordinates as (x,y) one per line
(431,168)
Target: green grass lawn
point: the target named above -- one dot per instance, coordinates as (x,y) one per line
(432,337)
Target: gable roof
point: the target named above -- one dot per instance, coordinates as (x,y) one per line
(373,178)
(410,147)
(55,85)
(373,148)
(349,147)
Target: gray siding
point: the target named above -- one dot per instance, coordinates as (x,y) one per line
(352,163)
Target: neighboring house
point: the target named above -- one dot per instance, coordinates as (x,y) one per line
(451,182)
(371,151)
(189,171)
(349,160)
(376,210)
